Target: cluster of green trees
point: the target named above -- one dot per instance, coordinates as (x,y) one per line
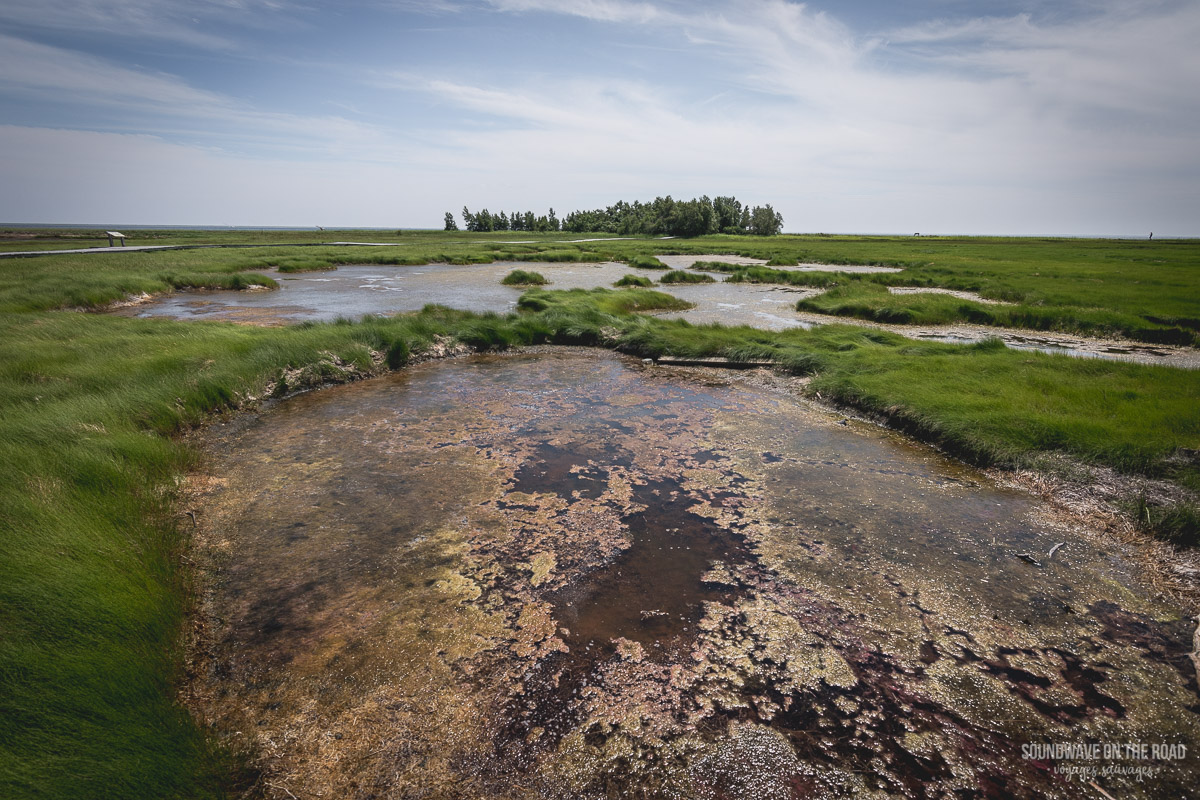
(668,217)
(662,217)
(487,221)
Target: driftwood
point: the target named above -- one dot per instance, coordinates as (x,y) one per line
(1054,550)
(1029,558)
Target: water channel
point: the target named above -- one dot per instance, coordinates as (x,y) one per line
(568,574)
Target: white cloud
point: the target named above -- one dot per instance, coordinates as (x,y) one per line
(167,104)
(1018,124)
(600,10)
(76,77)
(1009,115)
(1134,58)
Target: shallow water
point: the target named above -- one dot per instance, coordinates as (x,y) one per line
(572,575)
(354,291)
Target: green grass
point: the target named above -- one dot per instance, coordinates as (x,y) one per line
(995,406)
(93,585)
(91,592)
(682,276)
(872,301)
(633,280)
(1138,289)
(1177,523)
(520,277)
(645,262)
(584,302)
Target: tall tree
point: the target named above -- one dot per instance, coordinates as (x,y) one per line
(728,212)
(765,221)
(451,225)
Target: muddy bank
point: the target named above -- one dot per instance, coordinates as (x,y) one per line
(573,575)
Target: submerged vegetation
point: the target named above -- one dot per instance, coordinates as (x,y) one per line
(92,587)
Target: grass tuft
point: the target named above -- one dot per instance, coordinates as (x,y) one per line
(641,261)
(520,277)
(682,276)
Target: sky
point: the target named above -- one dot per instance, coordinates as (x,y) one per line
(1069,117)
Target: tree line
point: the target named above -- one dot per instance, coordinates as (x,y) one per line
(662,217)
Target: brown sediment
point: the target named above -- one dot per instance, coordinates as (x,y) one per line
(571,575)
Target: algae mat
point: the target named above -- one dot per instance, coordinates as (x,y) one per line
(569,574)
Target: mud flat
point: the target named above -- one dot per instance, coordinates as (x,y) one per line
(568,574)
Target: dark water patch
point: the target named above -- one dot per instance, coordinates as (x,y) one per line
(563,472)
(653,593)
(1168,642)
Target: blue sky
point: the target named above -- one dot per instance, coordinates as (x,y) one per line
(938,116)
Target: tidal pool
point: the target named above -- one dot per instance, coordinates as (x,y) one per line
(567,574)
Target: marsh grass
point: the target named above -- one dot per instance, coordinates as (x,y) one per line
(784,277)
(715,266)
(1149,291)
(870,300)
(520,277)
(91,593)
(645,262)
(995,406)
(682,276)
(1177,523)
(633,280)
